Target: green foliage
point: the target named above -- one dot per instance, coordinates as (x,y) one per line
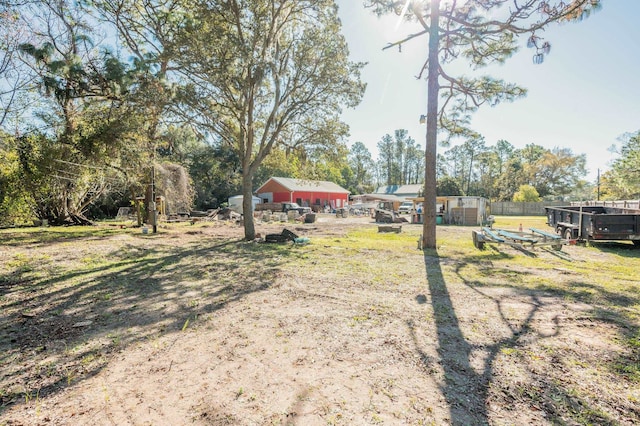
(214,172)
(386,159)
(278,163)
(464,162)
(361,166)
(248,81)
(510,179)
(623,180)
(497,172)
(526,193)
(104,117)
(37,153)
(327,163)
(557,172)
(266,98)
(14,208)
(66,75)
(321,163)
(448,186)
(263,76)
(59,181)
(400,160)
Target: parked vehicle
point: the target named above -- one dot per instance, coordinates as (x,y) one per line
(360,209)
(406,207)
(294,206)
(597,223)
(235,203)
(384,216)
(283,207)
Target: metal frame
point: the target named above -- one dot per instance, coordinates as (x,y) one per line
(519,239)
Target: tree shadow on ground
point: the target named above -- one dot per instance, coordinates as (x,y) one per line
(57,329)
(34,238)
(465,390)
(468,390)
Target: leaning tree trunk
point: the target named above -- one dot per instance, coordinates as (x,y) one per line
(79,219)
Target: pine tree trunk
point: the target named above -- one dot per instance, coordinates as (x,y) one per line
(429,225)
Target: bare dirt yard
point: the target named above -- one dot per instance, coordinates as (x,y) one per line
(194,326)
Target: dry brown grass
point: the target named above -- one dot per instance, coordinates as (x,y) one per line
(195,326)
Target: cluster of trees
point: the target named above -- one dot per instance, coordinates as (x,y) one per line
(499,172)
(400,161)
(622,181)
(107,100)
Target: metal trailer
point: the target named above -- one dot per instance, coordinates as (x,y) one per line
(519,239)
(595,223)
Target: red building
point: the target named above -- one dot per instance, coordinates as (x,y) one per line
(307,193)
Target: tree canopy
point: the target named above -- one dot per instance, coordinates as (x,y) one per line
(267,74)
(526,193)
(245,78)
(108,100)
(623,180)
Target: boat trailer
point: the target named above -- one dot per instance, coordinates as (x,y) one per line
(519,239)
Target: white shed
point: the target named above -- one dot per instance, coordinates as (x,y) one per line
(459,210)
(235,203)
(464,210)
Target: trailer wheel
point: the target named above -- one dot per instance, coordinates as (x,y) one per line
(568,234)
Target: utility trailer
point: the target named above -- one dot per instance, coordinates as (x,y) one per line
(595,223)
(519,239)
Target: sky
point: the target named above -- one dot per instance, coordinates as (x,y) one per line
(584,96)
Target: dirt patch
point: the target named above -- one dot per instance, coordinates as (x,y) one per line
(195,326)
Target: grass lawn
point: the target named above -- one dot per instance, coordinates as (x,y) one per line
(356,327)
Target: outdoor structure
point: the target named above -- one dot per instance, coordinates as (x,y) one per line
(376,199)
(235,203)
(454,210)
(459,210)
(307,193)
(401,191)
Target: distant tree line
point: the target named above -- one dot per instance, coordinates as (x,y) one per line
(111,100)
(499,172)
(622,181)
